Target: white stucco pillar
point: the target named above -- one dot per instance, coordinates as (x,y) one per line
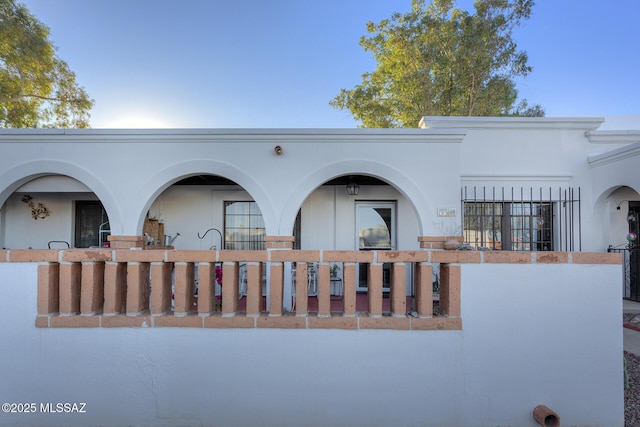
(280,243)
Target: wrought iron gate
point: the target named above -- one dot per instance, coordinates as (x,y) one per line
(631,254)
(630,271)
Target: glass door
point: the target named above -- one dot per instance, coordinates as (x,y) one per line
(375,230)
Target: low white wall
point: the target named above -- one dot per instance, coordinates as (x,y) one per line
(532,334)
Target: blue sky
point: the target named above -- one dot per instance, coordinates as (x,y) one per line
(278,63)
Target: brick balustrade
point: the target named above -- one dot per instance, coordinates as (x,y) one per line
(134,288)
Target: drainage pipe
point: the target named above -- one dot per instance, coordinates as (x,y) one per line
(545,416)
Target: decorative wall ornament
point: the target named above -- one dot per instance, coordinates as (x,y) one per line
(38,211)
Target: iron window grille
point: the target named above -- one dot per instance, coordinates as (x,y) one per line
(524,220)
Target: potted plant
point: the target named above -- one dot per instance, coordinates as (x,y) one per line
(335,268)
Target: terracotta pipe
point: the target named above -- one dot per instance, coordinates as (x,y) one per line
(545,416)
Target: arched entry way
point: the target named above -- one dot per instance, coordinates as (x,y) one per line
(205,211)
(624,229)
(53,212)
(189,197)
(410,190)
(356,211)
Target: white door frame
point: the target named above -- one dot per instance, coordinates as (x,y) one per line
(359,222)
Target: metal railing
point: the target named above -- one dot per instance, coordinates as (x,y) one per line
(631,270)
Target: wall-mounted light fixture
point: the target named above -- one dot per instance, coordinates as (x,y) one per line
(621,202)
(352,187)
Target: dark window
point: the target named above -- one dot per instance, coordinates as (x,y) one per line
(92,224)
(530,226)
(515,226)
(243,226)
(483,224)
(524,219)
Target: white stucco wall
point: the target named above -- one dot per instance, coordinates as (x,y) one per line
(556,153)
(136,166)
(20,231)
(129,170)
(532,334)
(328,219)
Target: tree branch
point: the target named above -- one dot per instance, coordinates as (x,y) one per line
(29,95)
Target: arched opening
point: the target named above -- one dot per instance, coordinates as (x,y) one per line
(621,216)
(205,212)
(53,212)
(357,211)
(337,214)
(306,189)
(623,228)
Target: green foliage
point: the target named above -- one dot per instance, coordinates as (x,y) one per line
(438,60)
(37,89)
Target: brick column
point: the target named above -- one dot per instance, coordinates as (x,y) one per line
(126,242)
(349,288)
(431,242)
(450,289)
(115,287)
(324,289)
(437,242)
(276,288)
(254,288)
(282,282)
(160,288)
(48,291)
(70,283)
(302,289)
(424,289)
(374,289)
(230,276)
(398,297)
(137,288)
(206,287)
(278,242)
(92,288)
(184,288)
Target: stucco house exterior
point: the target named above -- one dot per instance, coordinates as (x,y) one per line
(183,178)
(111,240)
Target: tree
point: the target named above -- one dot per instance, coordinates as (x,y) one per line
(438,60)
(37,89)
